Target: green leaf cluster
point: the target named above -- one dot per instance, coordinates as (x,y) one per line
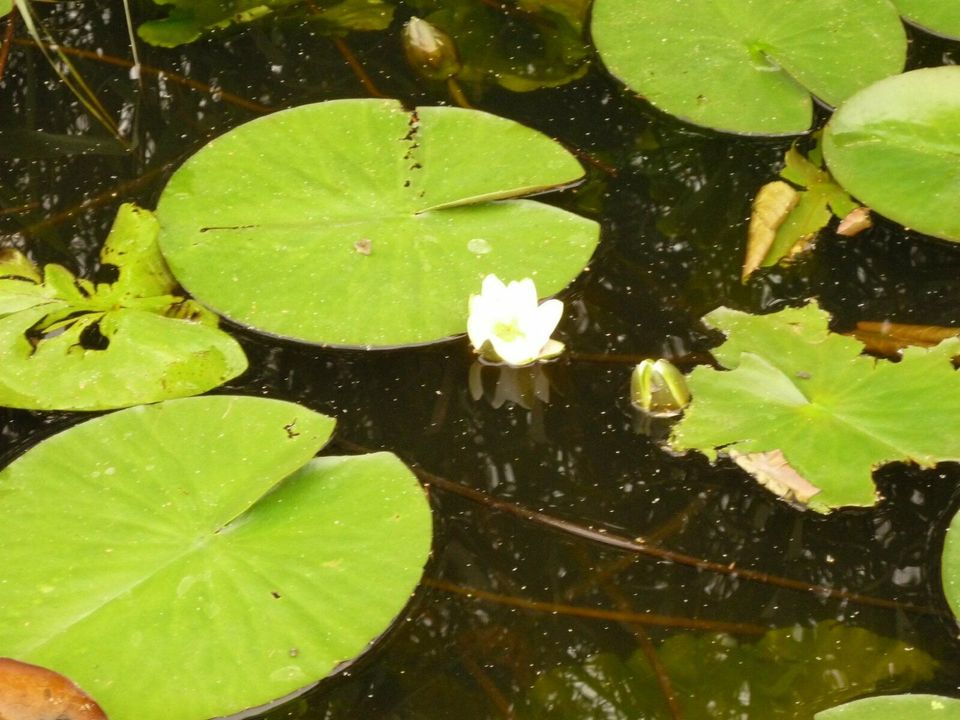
(835,414)
(717,676)
(191,559)
(67,343)
(794,225)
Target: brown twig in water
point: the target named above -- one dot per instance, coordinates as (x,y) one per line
(487,685)
(104,197)
(7,41)
(173,77)
(649,651)
(598,613)
(357,67)
(641,547)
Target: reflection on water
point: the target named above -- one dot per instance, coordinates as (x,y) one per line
(673,202)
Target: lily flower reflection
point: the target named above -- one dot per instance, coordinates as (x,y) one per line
(507,326)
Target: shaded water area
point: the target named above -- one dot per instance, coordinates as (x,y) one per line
(510,595)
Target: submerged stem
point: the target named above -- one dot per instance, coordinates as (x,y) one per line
(640,618)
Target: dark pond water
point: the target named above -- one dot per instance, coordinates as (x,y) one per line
(673,203)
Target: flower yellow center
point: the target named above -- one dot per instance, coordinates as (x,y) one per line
(508,331)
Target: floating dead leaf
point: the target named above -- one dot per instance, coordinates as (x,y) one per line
(772,470)
(30,692)
(887,338)
(771,207)
(855,221)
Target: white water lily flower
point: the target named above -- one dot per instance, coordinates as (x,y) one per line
(507,325)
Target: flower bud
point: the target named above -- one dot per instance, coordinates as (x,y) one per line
(429,50)
(658,388)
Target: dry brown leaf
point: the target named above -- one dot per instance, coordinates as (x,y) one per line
(772,470)
(771,206)
(887,338)
(30,692)
(856,221)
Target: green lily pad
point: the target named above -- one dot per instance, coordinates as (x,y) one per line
(189,20)
(68,344)
(788,674)
(895,147)
(934,16)
(6,6)
(896,707)
(188,559)
(356,222)
(835,414)
(748,66)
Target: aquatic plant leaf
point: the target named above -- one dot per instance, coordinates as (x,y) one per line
(895,145)
(67,344)
(716,676)
(188,20)
(835,414)
(896,707)
(31,692)
(784,221)
(748,66)
(934,16)
(6,6)
(356,222)
(540,45)
(188,559)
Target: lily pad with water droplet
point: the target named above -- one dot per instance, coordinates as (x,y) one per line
(748,66)
(359,223)
(190,559)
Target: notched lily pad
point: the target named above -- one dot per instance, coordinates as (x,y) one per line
(359,223)
(834,414)
(191,559)
(748,66)
(69,344)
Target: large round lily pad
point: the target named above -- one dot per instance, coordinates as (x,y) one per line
(896,147)
(356,222)
(187,560)
(748,66)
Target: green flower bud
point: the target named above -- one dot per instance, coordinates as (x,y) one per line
(429,50)
(658,388)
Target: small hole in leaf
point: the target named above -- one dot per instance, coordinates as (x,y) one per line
(92,339)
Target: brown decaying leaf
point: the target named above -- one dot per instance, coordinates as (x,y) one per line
(771,206)
(30,692)
(887,338)
(856,221)
(772,470)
